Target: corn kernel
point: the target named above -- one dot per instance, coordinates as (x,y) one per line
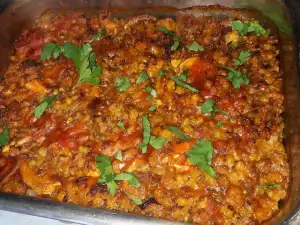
(182,201)
(32,163)
(6,148)
(69,101)
(83,149)
(171,85)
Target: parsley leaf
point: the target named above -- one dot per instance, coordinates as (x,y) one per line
(122,83)
(122,126)
(85,62)
(107,174)
(243,57)
(157,142)
(175,44)
(161,73)
(143,77)
(151,91)
(136,201)
(83,58)
(209,106)
(153,108)
(100,34)
(129,177)
(178,132)
(220,124)
(109,177)
(183,76)
(269,186)
(195,47)
(201,154)
(49,49)
(4,136)
(237,78)
(247,27)
(172,35)
(179,82)
(146,134)
(119,156)
(44,105)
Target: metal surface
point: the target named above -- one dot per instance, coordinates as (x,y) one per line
(285,14)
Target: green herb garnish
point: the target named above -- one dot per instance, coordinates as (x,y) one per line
(172,35)
(201,154)
(248,27)
(153,108)
(146,134)
(83,58)
(4,136)
(122,83)
(269,186)
(151,91)
(209,106)
(243,57)
(178,132)
(220,124)
(143,77)
(183,76)
(237,78)
(100,34)
(44,105)
(161,73)
(179,82)
(109,177)
(49,49)
(122,126)
(136,201)
(195,47)
(157,142)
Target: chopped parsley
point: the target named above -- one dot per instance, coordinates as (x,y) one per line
(122,126)
(119,156)
(237,78)
(109,177)
(248,27)
(243,57)
(49,49)
(220,124)
(143,77)
(4,136)
(178,132)
(122,83)
(269,186)
(201,154)
(136,201)
(195,47)
(100,34)
(146,134)
(151,91)
(83,58)
(179,82)
(44,105)
(172,35)
(183,76)
(160,73)
(157,142)
(209,106)
(153,108)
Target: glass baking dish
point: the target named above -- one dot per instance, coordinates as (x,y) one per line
(285,15)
